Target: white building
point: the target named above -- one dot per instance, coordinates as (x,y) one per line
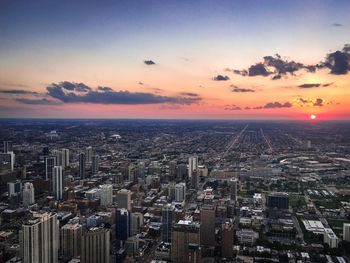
(28,194)
(192,165)
(39,239)
(180,192)
(330,238)
(106,194)
(346,231)
(65,157)
(89,154)
(57,182)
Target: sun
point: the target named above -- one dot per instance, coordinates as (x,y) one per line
(313,116)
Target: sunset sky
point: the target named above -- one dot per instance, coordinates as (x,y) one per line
(175,59)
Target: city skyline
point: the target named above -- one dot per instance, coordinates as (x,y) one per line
(175,60)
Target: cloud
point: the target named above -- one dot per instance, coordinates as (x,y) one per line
(258,70)
(273,105)
(105,89)
(221,78)
(17,91)
(71,86)
(317,102)
(337,24)
(149,62)
(232,107)
(243,90)
(38,101)
(189,94)
(140,83)
(339,61)
(115,97)
(314,85)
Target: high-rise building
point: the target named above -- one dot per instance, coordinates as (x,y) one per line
(181,171)
(168,216)
(14,188)
(172,170)
(28,194)
(278,200)
(95,246)
(39,239)
(233,188)
(227,240)
(122,225)
(330,238)
(57,182)
(195,179)
(185,242)
(346,232)
(8,160)
(124,199)
(207,220)
(50,163)
(192,165)
(59,157)
(136,223)
(106,194)
(71,235)
(82,161)
(95,164)
(180,192)
(65,158)
(7,147)
(89,153)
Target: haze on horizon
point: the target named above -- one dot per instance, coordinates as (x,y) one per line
(175,59)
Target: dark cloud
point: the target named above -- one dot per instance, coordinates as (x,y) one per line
(319,102)
(105,89)
(71,86)
(149,62)
(309,85)
(115,97)
(339,61)
(327,84)
(221,78)
(38,101)
(243,90)
(189,94)
(240,72)
(258,70)
(272,105)
(337,24)
(232,107)
(17,91)
(140,83)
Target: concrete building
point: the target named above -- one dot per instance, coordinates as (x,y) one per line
(136,223)
(124,199)
(65,158)
(106,194)
(330,238)
(95,246)
(278,200)
(227,240)
(207,220)
(28,194)
(50,163)
(168,216)
(95,164)
(57,182)
(82,160)
(233,188)
(89,153)
(346,232)
(71,235)
(192,165)
(180,192)
(14,188)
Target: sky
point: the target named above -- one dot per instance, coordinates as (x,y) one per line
(175,59)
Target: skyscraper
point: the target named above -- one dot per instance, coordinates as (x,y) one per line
(124,199)
(180,192)
(71,235)
(50,163)
(227,240)
(65,158)
(39,239)
(82,161)
(185,242)
(8,159)
(95,246)
(106,194)
(95,164)
(89,153)
(192,165)
(14,188)
(207,219)
(28,194)
(7,146)
(136,223)
(57,182)
(167,222)
(122,225)
(346,232)
(233,188)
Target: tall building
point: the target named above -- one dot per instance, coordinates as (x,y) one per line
(192,165)
(95,246)
(195,179)
(95,164)
(59,157)
(233,188)
(57,182)
(172,169)
(181,173)
(82,161)
(106,194)
(168,216)
(89,153)
(278,200)
(346,232)
(39,239)
(180,192)
(185,242)
(207,220)
(124,199)
(14,188)
(71,235)
(227,240)
(330,238)
(65,158)
(122,225)
(50,163)
(136,223)
(8,160)
(7,147)
(28,194)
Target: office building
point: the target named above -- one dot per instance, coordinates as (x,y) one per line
(7,160)
(233,188)
(227,240)
(180,192)
(192,165)
(89,153)
(278,200)
(65,158)
(14,188)
(71,235)
(82,161)
(346,232)
(132,246)
(185,242)
(95,246)
(136,223)
(57,182)
(7,147)
(168,216)
(207,220)
(124,199)
(122,226)
(106,194)
(330,238)
(50,163)
(28,194)
(39,239)
(95,164)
